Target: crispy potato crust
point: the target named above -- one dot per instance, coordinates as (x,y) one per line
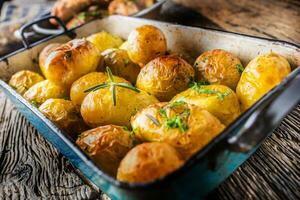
(165,76)
(260,76)
(147,162)
(23,80)
(219,67)
(107,145)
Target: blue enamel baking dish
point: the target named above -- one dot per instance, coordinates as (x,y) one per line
(211,165)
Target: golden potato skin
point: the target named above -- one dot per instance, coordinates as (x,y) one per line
(104,40)
(219,67)
(70,61)
(45,53)
(165,76)
(23,80)
(120,64)
(147,162)
(219,100)
(65,115)
(44,90)
(145,43)
(97,107)
(260,76)
(107,145)
(85,82)
(200,126)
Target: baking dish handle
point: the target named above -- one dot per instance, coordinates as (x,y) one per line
(269,114)
(23,29)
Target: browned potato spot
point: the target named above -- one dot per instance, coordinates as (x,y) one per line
(219,67)
(70,61)
(165,76)
(107,145)
(45,53)
(147,162)
(186,127)
(65,115)
(23,80)
(44,90)
(262,74)
(146,43)
(120,64)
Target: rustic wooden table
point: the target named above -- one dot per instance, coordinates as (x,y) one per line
(30,168)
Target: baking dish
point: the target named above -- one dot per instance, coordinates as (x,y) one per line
(211,165)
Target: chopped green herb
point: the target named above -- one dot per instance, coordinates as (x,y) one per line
(176,122)
(95,13)
(239,67)
(186,113)
(202,90)
(154,120)
(198,83)
(126,61)
(163,113)
(176,104)
(125,128)
(68,55)
(34,103)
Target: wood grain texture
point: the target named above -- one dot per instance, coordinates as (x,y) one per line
(30,168)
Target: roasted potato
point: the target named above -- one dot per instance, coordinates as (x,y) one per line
(70,61)
(107,145)
(124,45)
(23,80)
(44,90)
(260,76)
(77,93)
(219,67)
(104,40)
(46,52)
(120,64)
(186,127)
(219,100)
(98,107)
(147,162)
(65,115)
(146,43)
(165,76)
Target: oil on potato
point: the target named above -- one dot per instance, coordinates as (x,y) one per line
(104,40)
(219,67)
(260,76)
(120,64)
(186,127)
(145,43)
(44,90)
(65,115)
(107,145)
(23,80)
(70,61)
(98,106)
(219,100)
(165,76)
(147,162)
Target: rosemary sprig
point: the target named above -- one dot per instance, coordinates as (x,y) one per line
(112,84)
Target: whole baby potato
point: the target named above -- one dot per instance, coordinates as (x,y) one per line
(120,64)
(78,88)
(98,107)
(104,40)
(165,76)
(65,115)
(46,52)
(146,43)
(44,90)
(219,67)
(70,61)
(107,146)
(262,74)
(147,162)
(186,127)
(219,100)
(23,80)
